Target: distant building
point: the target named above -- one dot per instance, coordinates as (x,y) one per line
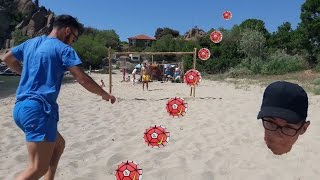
(142,41)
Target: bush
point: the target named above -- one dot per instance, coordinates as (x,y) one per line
(316,81)
(318,68)
(215,65)
(253,64)
(281,63)
(19,37)
(316,90)
(239,71)
(256,65)
(252,43)
(318,63)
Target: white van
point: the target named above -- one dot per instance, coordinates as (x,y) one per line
(135,58)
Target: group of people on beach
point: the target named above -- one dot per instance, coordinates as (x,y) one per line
(283,111)
(144,75)
(172,73)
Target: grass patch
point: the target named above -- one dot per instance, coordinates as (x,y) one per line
(316,90)
(316,81)
(309,80)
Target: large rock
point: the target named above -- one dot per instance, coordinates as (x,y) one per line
(50,20)
(194,33)
(48,27)
(26,6)
(8,8)
(37,22)
(4,25)
(24,22)
(5,8)
(9,43)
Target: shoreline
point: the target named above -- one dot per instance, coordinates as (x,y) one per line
(12,90)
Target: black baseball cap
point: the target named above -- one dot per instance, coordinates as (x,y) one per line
(284,100)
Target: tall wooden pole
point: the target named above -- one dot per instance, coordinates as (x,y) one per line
(194,67)
(194,58)
(110,72)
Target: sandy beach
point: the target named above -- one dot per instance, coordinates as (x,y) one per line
(219,138)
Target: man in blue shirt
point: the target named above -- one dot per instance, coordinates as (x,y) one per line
(45,59)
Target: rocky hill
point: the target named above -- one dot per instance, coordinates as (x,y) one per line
(194,33)
(23,15)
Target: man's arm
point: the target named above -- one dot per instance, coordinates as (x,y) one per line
(88,83)
(12,62)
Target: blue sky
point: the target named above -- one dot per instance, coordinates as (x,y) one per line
(133,17)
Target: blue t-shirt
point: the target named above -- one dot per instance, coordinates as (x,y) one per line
(45,60)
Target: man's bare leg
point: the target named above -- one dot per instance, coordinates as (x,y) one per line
(143,85)
(39,154)
(147,86)
(57,152)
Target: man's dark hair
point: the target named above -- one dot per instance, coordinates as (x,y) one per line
(63,21)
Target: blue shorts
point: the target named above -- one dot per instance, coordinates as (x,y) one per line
(32,119)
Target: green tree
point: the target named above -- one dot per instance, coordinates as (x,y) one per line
(90,31)
(230,44)
(299,40)
(255,24)
(92,46)
(166,44)
(310,22)
(252,44)
(282,38)
(19,37)
(108,38)
(205,41)
(90,51)
(160,32)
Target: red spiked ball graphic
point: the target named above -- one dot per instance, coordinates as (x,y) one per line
(177,107)
(204,54)
(128,171)
(156,136)
(216,36)
(192,77)
(227,15)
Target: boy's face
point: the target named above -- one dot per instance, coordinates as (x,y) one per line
(278,140)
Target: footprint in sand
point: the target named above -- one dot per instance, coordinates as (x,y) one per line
(97,139)
(207,175)
(183,160)
(117,113)
(21,158)
(210,163)
(115,160)
(8,124)
(77,144)
(79,178)
(74,164)
(163,155)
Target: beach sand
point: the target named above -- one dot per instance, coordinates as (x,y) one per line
(219,137)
